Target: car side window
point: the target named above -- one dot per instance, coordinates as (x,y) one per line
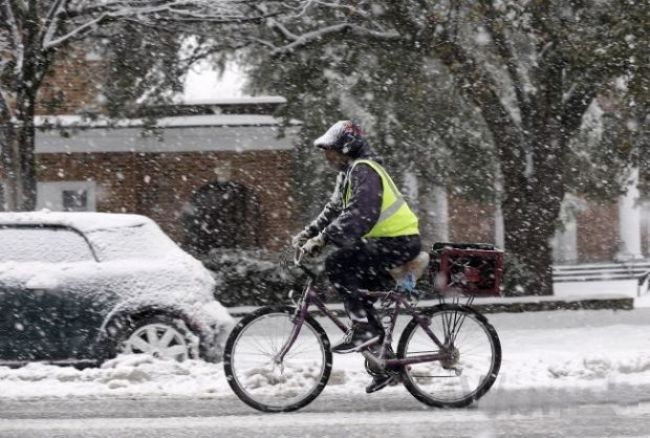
(50,245)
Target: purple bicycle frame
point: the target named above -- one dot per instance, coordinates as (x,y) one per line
(311,296)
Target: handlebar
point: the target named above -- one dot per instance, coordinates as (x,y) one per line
(298,256)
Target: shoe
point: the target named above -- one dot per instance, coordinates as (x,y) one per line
(360,336)
(380,381)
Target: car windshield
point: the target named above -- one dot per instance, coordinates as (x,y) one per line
(144,241)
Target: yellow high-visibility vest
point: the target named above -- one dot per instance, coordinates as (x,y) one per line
(396,218)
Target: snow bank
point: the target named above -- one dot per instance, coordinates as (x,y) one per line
(124,375)
(576,357)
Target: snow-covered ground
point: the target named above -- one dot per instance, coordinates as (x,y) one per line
(556,350)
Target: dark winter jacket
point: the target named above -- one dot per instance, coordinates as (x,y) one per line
(341,225)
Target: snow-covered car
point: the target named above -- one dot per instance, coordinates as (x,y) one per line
(82,287)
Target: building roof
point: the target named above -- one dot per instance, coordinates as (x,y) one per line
(196,133)
(75,121)
(244,100)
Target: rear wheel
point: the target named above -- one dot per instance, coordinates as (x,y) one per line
(159,335)
(254,375)
(163,338)
(472,365)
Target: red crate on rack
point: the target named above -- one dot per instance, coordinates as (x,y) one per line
(466,268)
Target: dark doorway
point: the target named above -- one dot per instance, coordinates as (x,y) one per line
(222,215)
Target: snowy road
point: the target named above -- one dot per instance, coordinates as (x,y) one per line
(357,416)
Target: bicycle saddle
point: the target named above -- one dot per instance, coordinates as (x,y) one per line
(415,267)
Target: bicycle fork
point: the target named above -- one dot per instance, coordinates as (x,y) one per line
(298,319)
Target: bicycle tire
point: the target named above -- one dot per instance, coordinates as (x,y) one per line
(409,376)
(311,328)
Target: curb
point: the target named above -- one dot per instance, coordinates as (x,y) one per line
(503,305)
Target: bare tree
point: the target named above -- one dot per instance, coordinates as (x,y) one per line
(34,33)
(532,68)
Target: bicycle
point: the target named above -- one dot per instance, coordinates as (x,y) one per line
(278,358)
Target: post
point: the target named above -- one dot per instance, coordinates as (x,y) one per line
(629,221)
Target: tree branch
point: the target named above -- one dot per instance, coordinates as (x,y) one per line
(575,107)
(51,20)
(76,33)
(481,89)
(15,38)
(308,38)
(506,51)
(5,109)
(179,11)
(54,10)
(351,9)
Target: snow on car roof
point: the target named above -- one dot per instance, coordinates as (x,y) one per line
(82,221)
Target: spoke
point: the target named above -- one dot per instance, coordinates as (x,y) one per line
(458,326)
(244,353)
(286,338)
(465,351)
(278,321)
(434,376)
(253,339)
(302,349)
(166,338)
(152,336)
(176,350)
(140,344)
(445,327)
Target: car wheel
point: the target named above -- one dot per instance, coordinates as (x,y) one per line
(162,336)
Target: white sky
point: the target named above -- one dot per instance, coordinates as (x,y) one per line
(203,83)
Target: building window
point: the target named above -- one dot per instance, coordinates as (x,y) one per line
(66,195)
(75,200)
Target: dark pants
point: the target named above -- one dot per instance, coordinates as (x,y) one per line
(364,264)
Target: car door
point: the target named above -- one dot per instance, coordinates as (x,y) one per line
(34,294)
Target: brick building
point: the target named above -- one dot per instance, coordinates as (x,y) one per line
(616,230)
(208,180)
(225,180)
(215,174)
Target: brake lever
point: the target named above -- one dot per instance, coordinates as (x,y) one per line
(298,256)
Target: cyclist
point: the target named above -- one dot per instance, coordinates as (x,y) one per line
(373,228)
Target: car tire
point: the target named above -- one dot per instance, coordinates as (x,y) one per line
(161,335)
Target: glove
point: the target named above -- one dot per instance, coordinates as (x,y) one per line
(313,246)
(300,239)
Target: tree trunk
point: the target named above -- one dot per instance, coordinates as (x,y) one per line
(433,212)
(11,168)
(7,135)
(528,242)
(27,164)
(19,166)
(36,63)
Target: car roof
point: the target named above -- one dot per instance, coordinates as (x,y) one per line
(82,221)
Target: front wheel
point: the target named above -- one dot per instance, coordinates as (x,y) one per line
(261,382)
(473,357)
